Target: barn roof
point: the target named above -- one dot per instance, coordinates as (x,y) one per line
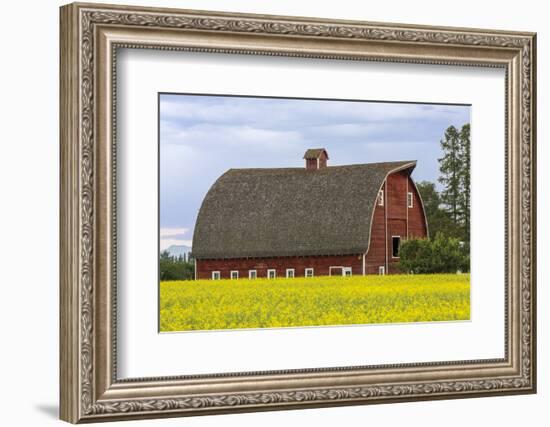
(290,211)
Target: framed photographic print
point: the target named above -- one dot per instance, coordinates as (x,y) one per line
(266,212)
(317,243)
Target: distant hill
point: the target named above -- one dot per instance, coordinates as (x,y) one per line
(177,250)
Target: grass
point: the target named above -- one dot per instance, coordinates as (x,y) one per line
(281,302)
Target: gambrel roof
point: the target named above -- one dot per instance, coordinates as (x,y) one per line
(290,211)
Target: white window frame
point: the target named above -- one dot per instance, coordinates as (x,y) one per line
(381,197)
(214,273)
(310,269)
(347,270)
(410,199)
(270,270)
(393,237)
(288,270)
(234,272)
(382,270)
(252,272)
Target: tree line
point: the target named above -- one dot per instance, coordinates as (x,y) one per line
(447,212)
(176,267)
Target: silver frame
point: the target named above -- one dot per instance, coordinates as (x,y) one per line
(90,37)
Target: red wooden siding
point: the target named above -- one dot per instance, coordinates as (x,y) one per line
(311,164)
(417,218)
(375,256)
(323,161)
(395,218)
(320,264)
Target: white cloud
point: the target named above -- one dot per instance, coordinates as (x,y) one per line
(225,111)
(201,137)
(294,113)
(172,232)
(210,136)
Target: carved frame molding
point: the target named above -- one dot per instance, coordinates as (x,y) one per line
(90,36)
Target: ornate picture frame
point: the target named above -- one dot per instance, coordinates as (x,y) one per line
(90,37)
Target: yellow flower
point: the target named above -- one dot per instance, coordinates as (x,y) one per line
(317,301)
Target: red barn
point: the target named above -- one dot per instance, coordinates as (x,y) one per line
(312,221)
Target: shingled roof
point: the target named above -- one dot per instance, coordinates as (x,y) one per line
(290,211)
(315,153)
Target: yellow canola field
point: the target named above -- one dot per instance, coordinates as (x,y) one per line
(317,301)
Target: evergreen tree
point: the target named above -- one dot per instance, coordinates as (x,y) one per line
(455,178)
(439,220)
(464,202)
(450,168)
(165,255)
(175,267)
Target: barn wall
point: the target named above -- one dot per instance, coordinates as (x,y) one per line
(376,255)
(320,264)
(401,221)
(397,213)
(417,219)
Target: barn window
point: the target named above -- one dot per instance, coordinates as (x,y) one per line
(410,199)
(395,245)
(381,198)
(309,272)
(271,273)
(346,271)
(290,273)
(234,274)
(215,275)
(252,274)
(382,270)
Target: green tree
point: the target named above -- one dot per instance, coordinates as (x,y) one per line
(165,256)
(454,167)
(175,268)
(450,169)
(464,201)
(439,220)
(438,255)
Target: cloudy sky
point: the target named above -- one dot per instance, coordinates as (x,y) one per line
(203,136)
